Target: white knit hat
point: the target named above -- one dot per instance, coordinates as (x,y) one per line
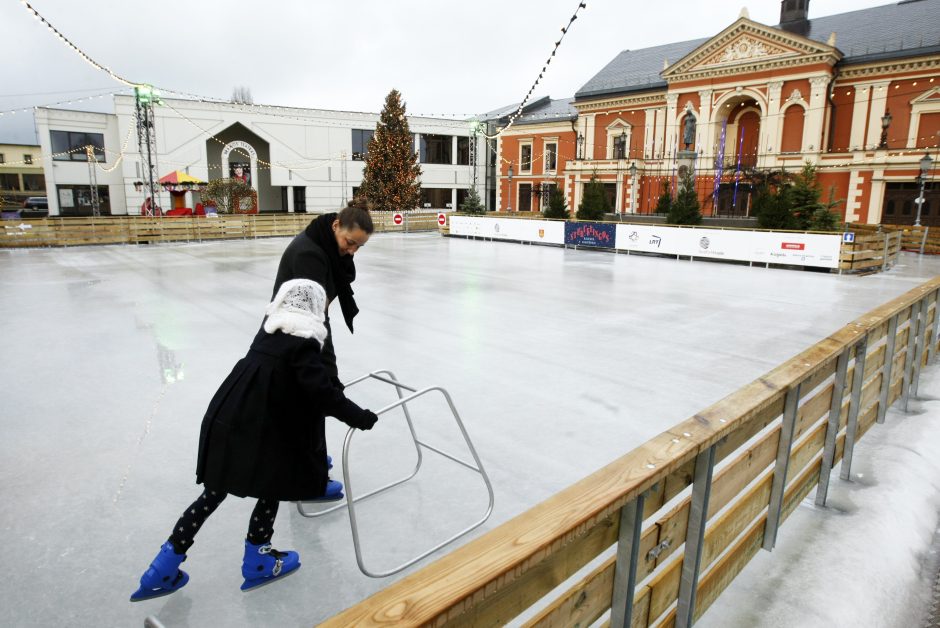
(298,309)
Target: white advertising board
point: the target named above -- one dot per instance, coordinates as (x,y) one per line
(547,231)
(806,249)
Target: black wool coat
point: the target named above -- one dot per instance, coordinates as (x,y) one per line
(305,259)
(263,434)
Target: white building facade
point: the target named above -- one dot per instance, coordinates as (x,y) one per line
(297,160)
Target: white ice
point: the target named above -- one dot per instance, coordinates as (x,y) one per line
(558,360)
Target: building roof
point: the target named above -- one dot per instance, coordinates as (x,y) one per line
(543,109)
(905,29)
(552,111)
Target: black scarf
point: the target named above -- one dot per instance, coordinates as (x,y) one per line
(342,267)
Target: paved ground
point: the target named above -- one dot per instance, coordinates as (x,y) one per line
(558,360)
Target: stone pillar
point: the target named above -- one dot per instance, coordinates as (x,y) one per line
(705,141)
(649,131)
(879,103)
(859,115)
(589,136)
(814,119)
(670,126)
(771,125)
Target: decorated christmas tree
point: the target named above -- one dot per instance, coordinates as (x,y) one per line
(390,180)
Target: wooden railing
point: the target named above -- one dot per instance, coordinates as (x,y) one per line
(873,250)
(917,239)
(671,528)
(44,232)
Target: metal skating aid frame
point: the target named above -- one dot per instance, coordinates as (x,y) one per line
(389,378)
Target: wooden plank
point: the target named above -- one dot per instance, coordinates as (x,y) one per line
(588,600)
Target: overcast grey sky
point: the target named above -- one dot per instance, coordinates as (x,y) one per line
(445,57)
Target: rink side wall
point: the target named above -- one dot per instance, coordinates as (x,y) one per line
(685,512)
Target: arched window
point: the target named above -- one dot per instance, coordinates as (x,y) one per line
(792,140)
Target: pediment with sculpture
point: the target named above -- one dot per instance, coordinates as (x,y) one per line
(749,46)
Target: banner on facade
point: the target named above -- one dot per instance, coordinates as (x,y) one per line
(591,234)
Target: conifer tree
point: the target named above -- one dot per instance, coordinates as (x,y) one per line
(472,204)
(594,204)
(685,209)
(390,180)
(557,204)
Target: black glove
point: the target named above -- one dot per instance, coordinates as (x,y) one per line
(365,421)
(337,384)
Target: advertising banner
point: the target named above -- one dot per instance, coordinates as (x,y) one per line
(546,231)
(806,249)
(591,234)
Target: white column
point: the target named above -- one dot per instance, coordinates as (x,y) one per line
(859,111)
(648,133)
(852,204)
(589,136)
(879,103)
(290,199)
(705,142)
(498,171)
(814,119)
(670,125)
(453,150)
(876,196)
(453,199)
(773,121)
(660,147)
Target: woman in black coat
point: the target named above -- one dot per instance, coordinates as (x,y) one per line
(263,437)
(323,252)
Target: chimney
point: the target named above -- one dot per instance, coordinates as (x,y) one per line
(793,16)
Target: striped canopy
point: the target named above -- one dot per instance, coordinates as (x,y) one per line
(180,178)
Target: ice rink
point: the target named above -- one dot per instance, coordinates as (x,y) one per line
(558,360)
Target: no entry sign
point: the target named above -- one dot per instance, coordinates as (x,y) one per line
(398,218)
(442,219)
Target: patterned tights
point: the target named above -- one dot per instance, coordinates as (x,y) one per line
(260,526)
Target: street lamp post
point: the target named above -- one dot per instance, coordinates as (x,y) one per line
(580,146)
(885,123)
(622,153)
(925,163)
(633,188)
(509,208)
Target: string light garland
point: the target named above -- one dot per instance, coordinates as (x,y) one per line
(514,116)
(13,112)
(65,40)
(630,154)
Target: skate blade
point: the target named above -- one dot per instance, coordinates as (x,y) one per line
(324,499)
(142,594)
(257,583)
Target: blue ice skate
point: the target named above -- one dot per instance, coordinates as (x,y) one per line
(263,565)
(333,493)
(163,576)
(329,462)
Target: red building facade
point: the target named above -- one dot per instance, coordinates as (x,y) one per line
(841,92)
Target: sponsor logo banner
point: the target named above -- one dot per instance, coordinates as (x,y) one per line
(591,234)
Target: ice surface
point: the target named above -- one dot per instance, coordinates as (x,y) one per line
(558,360)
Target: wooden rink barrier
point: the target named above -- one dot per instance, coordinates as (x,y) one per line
(56,231)
(673,521)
